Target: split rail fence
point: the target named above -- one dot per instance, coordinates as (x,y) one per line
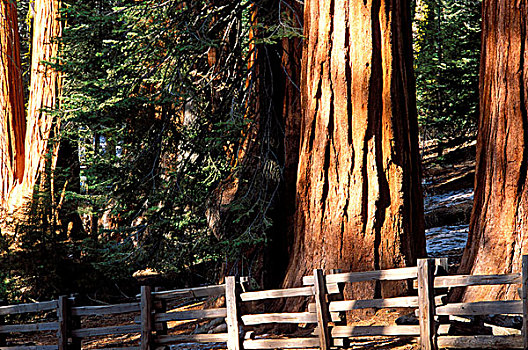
(151,314)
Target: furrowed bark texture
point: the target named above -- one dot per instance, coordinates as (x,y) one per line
(498,224)
(44,92)
(12,117)
(359,201)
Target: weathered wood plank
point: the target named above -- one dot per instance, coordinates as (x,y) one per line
(426,270)
(481,342)
(482,308)
(321,309)
(293,317)
(26,308)
(105,309)
(292,343)
(63,316)
(475,280)
(95,332)
(32,327)
(524,298)
(359,331)
(334,316)
(381,275)
(194,338)
(348,305)
(30,347)
(198,292)
(146,317)
(190,315)
(443,329)
(124,348)
(233,336)
(277,293)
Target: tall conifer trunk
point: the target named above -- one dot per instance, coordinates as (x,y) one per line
(43,96)
(283,79)
(12,116)
(359,201)
(498,228)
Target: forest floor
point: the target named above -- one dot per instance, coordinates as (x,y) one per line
(449,173)
(448,195)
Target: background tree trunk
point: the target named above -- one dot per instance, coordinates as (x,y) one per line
(43,96)
(359,200)
(291,115)
(498,237)
(12,117)
(281,97)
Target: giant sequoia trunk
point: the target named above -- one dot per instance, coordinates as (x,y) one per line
(498,232)
(44,92)
(12,117)
(359,201)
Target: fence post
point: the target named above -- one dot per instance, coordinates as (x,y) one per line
(160,307)
(339,296)
(63,314)
(3,337)
(75,323)
(233,336)
(321,309)
(146,317)
(426,302)
(524,276)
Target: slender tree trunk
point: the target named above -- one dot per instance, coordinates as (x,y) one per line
(43,96)
(498,231)
(284,78)
(291,114)
(359,200)
(12,117)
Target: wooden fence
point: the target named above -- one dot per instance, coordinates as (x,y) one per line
(149,317)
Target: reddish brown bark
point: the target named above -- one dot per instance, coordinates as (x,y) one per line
(291,112)
(43,97)
(12,117)
(498,229)
(359,201)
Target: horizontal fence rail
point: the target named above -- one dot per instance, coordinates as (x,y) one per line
(380,275)
(154,316)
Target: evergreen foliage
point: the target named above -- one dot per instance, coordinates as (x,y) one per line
(447,52)
(158,121)
(168,156)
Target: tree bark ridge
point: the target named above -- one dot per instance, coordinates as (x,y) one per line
(359,202)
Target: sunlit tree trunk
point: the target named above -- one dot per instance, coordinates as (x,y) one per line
(44,92)
(359,201)
(498,228)
(12,116)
